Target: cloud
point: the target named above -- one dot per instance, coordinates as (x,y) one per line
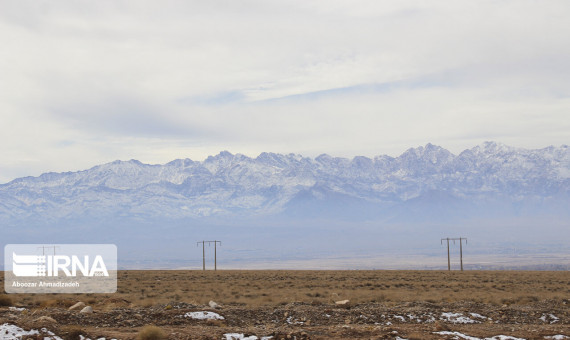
(153,80)
(122,116)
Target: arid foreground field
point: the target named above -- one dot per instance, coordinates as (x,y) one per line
(304,305)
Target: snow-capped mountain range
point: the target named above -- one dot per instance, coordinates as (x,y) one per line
(229,186)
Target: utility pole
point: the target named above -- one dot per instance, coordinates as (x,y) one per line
(204,253)
(461,250)
(460,239)
(448,260)
(216,255)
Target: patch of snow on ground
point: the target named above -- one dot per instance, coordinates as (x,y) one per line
(293,322)
(557,337)
(550,318)
(458,335)
(16,309)
(399,317)
(467,337)
(456,318)
(478,316)
(204,316)
(239,336)
(10,332)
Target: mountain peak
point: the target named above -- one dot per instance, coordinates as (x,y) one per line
(421,150)
(223,155)
(323,158)
(181,162)
(429,154)
(493,147)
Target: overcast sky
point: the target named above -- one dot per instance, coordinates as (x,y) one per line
(88,82)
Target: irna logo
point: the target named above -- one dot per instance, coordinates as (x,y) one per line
(52,265)
(60,268)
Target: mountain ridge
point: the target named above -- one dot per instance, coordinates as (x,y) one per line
(233,184)
(277,207)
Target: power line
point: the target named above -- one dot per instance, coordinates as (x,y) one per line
(204,253)
(460,239)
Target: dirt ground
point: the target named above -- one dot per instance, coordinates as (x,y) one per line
(306,305)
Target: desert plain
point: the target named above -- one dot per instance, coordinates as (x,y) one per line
(302,304)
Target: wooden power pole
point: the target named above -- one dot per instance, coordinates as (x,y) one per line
(460,239)
(448,259)
(461,250)
(204,253)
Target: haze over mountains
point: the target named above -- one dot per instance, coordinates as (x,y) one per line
(516,193)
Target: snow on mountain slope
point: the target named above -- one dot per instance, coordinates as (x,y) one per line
(236,185)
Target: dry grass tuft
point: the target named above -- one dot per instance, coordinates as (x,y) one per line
(150,332)
(72,332)
(440,326)
(5,300)
(415,336)
(216,323)
(60,302)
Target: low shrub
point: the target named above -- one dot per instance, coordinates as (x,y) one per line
(150,332)
(72,333)
(5,300)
